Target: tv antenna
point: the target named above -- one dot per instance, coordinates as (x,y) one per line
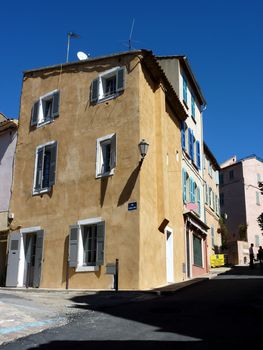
(70,35)
(130,37)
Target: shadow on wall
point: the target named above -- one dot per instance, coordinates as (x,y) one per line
(129,186)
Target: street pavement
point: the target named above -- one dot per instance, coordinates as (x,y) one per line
(225,307)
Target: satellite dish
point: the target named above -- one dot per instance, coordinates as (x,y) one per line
(82,56)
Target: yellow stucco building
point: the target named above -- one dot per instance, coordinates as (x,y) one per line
(83,196)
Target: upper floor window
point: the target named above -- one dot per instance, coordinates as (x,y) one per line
(45,109)
(221,179)
(108,84)
(185,88)
(106,155)
(258,198)
(45,167)
(231,174)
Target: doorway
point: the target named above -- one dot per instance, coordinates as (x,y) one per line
(169,256)
(30,258)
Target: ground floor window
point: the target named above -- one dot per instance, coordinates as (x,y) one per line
(197,246)
(86,244)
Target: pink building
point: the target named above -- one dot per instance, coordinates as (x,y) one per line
(241,203)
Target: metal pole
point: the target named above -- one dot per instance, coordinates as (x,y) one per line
(69,35)
(117,276)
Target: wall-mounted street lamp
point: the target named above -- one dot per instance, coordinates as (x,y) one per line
(143,147)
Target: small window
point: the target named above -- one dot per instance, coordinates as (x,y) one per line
(258,198)
(45,109)
(106,155)
(231,174)
(256,240)
(108,85)
(212,236)
(45,167)
(86,244)
(222,199)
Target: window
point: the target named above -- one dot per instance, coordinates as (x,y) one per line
(106,155)
(197,246)
(256,240)
(222,199)
(258,198)
(108,85)
(185,90)
(231,174)
(193,106)
(221,179)
(45,167)
(86,244)
(212,236)
(45,109)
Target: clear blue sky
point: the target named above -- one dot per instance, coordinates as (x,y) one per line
(222,40)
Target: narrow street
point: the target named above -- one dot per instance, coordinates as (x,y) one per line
(225,311)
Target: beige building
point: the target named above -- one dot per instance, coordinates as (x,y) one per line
(212,206)
(8,138)
(83,196)
(241,203)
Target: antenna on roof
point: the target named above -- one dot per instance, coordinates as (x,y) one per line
(71,35)
(130,47)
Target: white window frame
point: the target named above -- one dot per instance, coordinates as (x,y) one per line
(101,81)
(80,266)
(41,120)
(108,139)
(46,189)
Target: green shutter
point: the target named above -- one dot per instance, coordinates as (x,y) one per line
(100,243)
(94,90)
(120,79)
(197,246)
(55,104)
(53,160)
(73,245)
(34,114)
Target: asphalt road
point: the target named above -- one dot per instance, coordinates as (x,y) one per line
(224,312)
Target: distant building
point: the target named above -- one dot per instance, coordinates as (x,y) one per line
(212,206)
(241,203)
(8,138)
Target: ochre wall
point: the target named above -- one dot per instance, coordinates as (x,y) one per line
(77,194)
(160,186)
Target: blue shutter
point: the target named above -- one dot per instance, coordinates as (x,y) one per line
(198,163)
(192,146)
(189,141)
(184,186)
(183,135)
(198,201)
(191,189)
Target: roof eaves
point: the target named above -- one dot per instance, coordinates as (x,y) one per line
(76,63)
(211,156)
(183,59)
